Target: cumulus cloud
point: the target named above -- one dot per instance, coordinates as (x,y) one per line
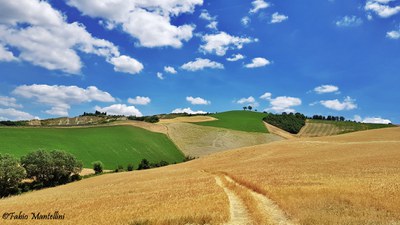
(9,102)
(245,21)
(197,101)
(258,4)
(235,57)
(170,69)
(126,64)
(13,114)
(266,96)
(378,120)
(188,111)
(61,97)
(213,23)
(347,104)
(394,34)
(278,18)
(326,89)
(139,100)
(48,40)
(284,104)
(382,8)
(6,55)
(120,109)
(154,17)
(160,76)
(349,21)
(221,42)
(258,62)
(248,101)
(200,64)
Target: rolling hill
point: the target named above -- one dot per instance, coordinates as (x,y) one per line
(346,179)
(238,120)
(113,145)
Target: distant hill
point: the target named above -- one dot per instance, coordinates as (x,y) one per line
(238,120)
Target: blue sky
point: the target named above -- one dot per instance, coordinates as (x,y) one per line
(333,57)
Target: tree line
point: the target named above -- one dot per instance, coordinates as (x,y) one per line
(289,122)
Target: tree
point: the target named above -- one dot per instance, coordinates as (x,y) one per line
(51,168)
(130,167)
(97,167)
(144,164)
(250,107)
(244,108)
(11,174)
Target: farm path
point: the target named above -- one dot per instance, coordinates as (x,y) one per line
(239,211)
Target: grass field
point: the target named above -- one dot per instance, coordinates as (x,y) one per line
(319,128)
(112,145)
(238,120)
(347,179)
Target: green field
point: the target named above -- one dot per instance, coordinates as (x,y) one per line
(238,120)
(111,145)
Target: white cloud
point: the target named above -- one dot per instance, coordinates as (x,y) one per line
(326,89)
(6,55)
(197,101)
(349,21)
(49,40)
(139,100)
(245,21)
(250,101)
(60,98)
(235,57)
(200,64)
(205,15)
(347,104)
(258,62)
(266,96)
(258,4)
(9,102)
(222,42)
(126,64)
(376,120)
(188,111)
(284,104)
(154,17)
(170,69)
(382,8)
(160,76)
(278,18)
(394,34)
(120,109)
(13,114)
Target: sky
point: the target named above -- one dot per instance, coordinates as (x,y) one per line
(137,57)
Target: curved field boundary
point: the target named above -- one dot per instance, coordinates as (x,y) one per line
(278,131)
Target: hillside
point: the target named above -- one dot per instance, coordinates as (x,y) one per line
(238,120)
(113,145)
(347,179)
(319,128)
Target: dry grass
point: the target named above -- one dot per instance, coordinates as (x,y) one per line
(188,119)
(343,179)
(278,131)
(196,140)
(318,130)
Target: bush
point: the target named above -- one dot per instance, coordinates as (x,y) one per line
(144,164)
(97,167)
(130,167)
(120,168)
(51,168)
(11,174)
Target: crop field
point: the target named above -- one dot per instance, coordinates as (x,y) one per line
(113,145)
(319,128)
(238,120)
(347,179)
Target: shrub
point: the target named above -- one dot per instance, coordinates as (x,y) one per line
(11,174)
(120,168)
(97,167)
(51,168)
(130,167)
(144,164)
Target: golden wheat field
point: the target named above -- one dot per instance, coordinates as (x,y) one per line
(345,179)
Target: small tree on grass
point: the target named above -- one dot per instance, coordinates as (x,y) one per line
(120,168)
(97,167)
(250,107)
(144,164)
(130,167)
(11,174)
